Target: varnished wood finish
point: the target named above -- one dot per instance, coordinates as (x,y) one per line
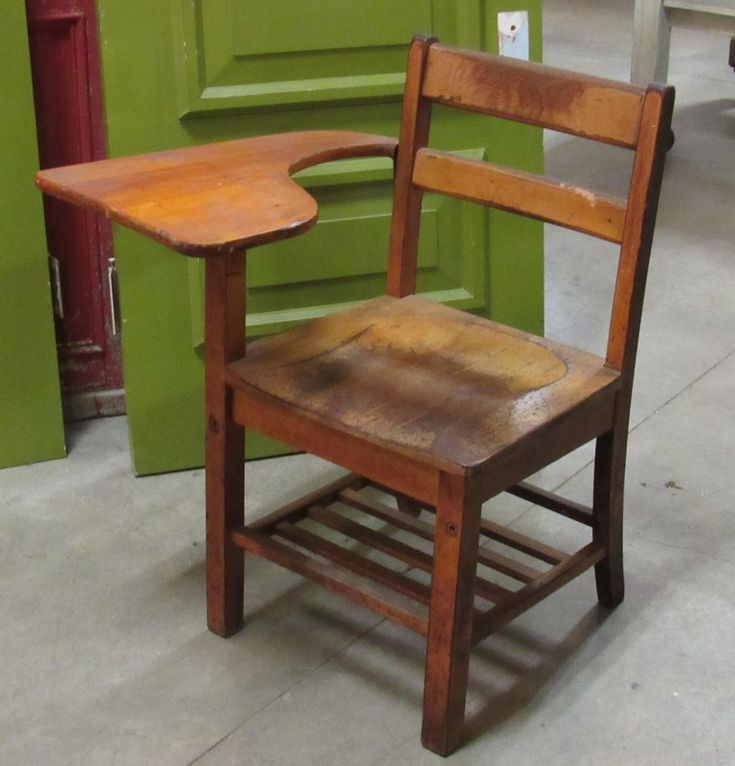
(406,599)
(290,424)
(522,543)
(385,601)
(565,571)
(389,371)
(500,563)
(320,508)
(450,618)
(553,502)
(507,189)
(592,107)
(354,562)
(607,504)
(299,509)
(622,346)
(225,341)
(404,232)
(416,559)
(215,198)
(645,187)
(441,409)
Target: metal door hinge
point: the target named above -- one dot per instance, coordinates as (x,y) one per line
(56,296)
(112,285)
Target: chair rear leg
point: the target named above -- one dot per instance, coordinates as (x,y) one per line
(449,640)
(608,514)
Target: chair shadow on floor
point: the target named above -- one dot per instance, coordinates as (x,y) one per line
(509,671)
(712,118)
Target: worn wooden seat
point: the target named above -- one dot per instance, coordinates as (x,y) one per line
(438,385)
(438,408)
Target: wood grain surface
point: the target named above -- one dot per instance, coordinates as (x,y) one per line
(434,381)
(215,198)
(604,110)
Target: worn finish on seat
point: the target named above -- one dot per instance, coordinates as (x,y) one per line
(440,409)
(437,384)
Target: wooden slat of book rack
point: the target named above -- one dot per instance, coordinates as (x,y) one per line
(394,593)
(382,600)
(503,564)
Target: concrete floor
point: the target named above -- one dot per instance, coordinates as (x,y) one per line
(104,655)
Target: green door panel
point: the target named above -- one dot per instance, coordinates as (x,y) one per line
(358,25)
(342,260)
(207,70)
(31,425)
(248,54)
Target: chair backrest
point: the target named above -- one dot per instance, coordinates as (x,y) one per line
(602,110)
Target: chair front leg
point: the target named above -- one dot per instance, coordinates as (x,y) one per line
(225,341)
(449,640)
(225,505)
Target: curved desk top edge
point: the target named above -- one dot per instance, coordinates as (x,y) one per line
(213,198)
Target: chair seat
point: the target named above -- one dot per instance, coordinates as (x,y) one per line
(438,384)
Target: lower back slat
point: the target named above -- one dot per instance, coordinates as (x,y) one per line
(574,207)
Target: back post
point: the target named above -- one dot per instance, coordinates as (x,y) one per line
(625,321)
(414,135)
(225,450)
(635,252)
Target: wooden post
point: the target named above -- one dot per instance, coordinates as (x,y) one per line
(651,43)
(449,641)
(404,232)
(607,505)
(225,451)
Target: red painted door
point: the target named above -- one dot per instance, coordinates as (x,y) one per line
(70,119)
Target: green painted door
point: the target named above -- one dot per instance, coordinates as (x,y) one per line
(208,70)
(31,426)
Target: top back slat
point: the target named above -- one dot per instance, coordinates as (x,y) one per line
(552,98)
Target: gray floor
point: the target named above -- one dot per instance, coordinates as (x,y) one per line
(104,656)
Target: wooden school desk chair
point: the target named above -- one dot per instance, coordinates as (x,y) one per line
(443,409)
